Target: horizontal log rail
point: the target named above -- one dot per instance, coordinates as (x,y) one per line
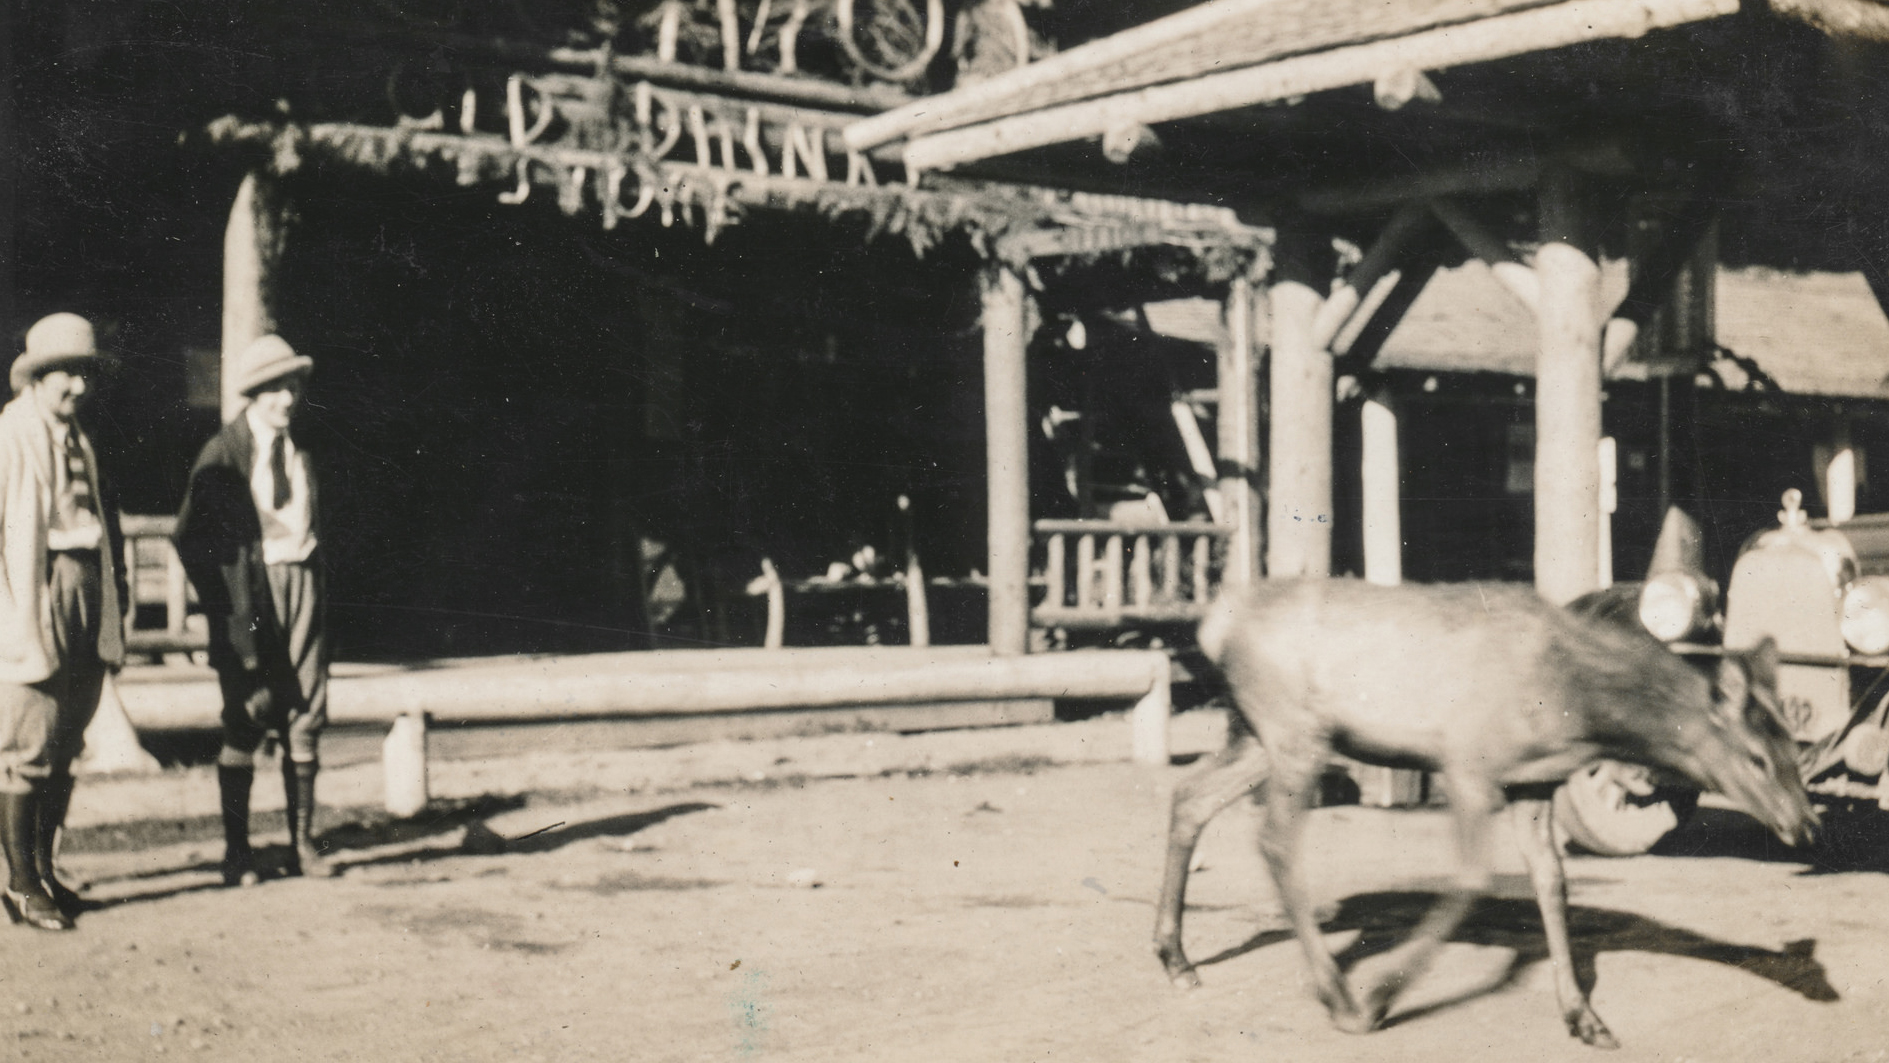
(1122,572)
(678,683)
(156,577)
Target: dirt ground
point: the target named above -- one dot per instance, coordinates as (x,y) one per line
(968,896)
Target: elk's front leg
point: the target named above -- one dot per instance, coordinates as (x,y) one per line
(1296,762)
(1236,771)
(1376,983)
(1534,831)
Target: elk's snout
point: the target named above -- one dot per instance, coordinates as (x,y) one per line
(1799,828)
(1777,800)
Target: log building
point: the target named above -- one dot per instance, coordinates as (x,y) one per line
(608,295)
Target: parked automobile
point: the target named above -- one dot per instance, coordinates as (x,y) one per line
(1821,590)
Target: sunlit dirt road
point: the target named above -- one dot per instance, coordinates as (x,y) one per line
(995,907)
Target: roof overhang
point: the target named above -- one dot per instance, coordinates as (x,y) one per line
(1012,223)
(1228,54)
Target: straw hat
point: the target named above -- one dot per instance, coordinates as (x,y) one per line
(266,360)
(54,341)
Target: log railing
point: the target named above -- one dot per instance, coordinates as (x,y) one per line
(1100,573)
(156,577)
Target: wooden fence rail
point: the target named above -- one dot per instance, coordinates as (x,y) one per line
(1127,572)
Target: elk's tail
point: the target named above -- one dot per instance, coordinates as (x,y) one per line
(1216,626)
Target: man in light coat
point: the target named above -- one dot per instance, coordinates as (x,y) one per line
(61,611)
(249,536)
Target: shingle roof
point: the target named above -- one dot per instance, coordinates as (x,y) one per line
(1814,333)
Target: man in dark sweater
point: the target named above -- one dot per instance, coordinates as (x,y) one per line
(249,537)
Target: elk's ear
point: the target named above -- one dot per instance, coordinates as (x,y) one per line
(1762,662)
(1732,684)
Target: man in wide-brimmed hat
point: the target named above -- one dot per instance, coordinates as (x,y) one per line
(250,538)
(61,617)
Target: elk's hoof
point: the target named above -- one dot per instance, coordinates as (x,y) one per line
(1341,1002)
(1181,976)
(1587,1026)
(1180,973)
(1353,1021)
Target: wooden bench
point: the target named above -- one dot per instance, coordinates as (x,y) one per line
(156,578)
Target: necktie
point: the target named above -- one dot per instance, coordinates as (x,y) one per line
(279,469)
(77,475)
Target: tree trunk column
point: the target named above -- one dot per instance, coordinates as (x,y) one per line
(10,148)
(1237,420)
(1299,452)
(1567,401)
(252,251)
(1381,479)
(1006,457)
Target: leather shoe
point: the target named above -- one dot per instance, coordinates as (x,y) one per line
(239,873)
(38,911)
(65,899)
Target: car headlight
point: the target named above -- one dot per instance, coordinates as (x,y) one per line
(1866,615)
(1674,605)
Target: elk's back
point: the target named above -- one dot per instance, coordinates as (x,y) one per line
(1434,675)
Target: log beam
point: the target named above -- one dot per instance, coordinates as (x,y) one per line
(1538,29)
(252,251)
(1511,272)
(1404,226)
(1567,403)
(1237,421)
(1673,273)
(1006,458)
(1197,40)
(1408,285)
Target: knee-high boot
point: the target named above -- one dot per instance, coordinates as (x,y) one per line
(298,786)
(53,805)
(233,786)
(25,894)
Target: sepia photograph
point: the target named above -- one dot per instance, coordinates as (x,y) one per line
(970,531)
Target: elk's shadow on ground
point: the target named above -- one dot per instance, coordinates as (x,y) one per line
(1514,924)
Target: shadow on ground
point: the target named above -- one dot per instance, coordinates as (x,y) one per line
(1384,919)
(481,840)
(1851,838)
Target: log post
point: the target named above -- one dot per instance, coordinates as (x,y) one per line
(1299,450)
(1567,404)
(1006,459)
(1237,422)
(1380,478)
(252,250)
(9,177)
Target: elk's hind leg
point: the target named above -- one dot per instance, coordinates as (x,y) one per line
(1534,832)
(1376,983)
(1237,770)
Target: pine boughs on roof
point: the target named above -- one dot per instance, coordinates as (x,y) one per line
(1002,222)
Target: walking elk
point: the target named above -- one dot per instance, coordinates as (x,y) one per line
(1499,693)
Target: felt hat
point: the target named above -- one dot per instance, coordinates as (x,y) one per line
(54,340)
(266,360)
